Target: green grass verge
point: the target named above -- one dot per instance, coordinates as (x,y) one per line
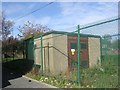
(104,76)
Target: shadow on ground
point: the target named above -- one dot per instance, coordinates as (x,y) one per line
(15,69)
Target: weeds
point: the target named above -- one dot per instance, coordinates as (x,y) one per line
(104,76)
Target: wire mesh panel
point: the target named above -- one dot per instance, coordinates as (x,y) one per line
(103,54)
(88,55)
(29,49)
(110,48)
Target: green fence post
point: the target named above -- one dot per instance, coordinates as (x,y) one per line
(105,48)
(78,74)
(34,53)
(101,49)
(23,50)
(41,55)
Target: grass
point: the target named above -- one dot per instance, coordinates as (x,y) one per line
(100,77)
(104,76)
(61,83)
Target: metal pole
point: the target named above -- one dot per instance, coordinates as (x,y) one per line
(41,55)
(105,48)
(23,50)
(13,51)
(78,74)
(48,59)
(101,49)
(26,50)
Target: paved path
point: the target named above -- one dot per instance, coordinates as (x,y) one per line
(23,82)
(14,80)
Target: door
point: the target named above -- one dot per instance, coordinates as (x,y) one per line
(72,58)
(84,57)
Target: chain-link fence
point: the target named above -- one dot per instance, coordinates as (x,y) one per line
(110,48)
(106,74)
(87,56)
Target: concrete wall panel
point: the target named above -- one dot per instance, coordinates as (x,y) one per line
(48,60)
(60,54)
(94,51)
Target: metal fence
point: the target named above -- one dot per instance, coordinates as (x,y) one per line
(68,55)
(110,48)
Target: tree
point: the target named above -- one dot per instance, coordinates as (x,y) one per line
(30,30)
(6,27)
(14,47)
(11,41)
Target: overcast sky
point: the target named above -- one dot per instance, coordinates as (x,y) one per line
(62,15)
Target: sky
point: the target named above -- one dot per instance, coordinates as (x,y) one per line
(63,16)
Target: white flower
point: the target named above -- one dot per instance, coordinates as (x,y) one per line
(46,78)
(68,84)
(101,69)
(87,86)
(65,86)
(55,80)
